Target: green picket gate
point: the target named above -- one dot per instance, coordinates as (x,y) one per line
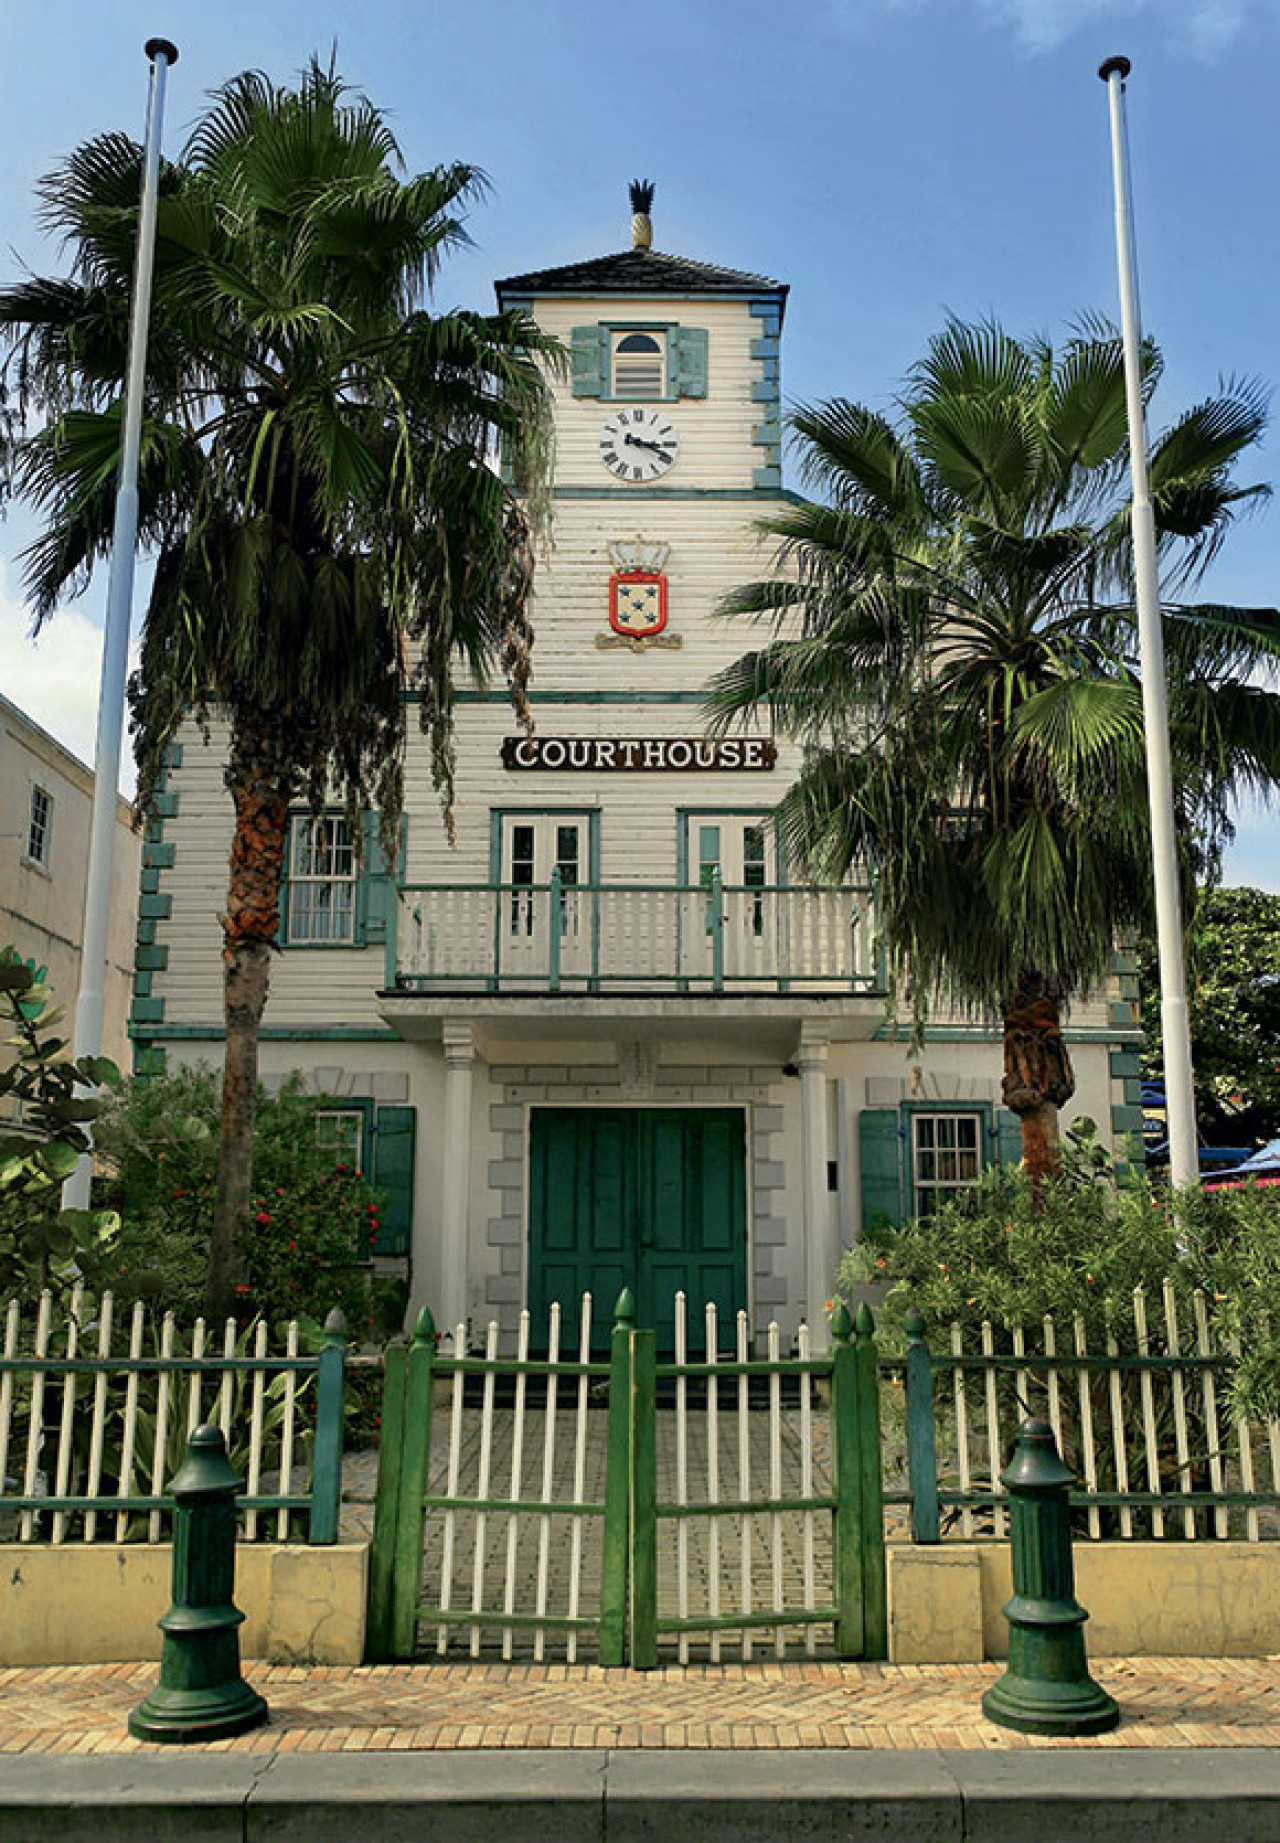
(604,1536)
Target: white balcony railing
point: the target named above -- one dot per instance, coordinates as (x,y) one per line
(599,937)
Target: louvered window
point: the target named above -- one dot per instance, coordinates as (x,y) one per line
(639,365)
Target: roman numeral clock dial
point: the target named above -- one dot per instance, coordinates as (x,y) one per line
(639,444)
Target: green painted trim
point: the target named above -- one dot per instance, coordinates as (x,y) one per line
(1132,1090)
(590,813)
(164,805)
(619,493)
(146,933)
(154,907)
(150,959)
(979,1033)
(148,1060)
(1126,1119)
(578,697)
(1124,1064)
(157,856)
(1128,985)
(173,755)
(1122,1013)
(766,478)
(148,883)
(142,984)
(215,1033)
(146,1010)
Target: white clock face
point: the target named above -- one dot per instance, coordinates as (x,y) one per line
(638,444)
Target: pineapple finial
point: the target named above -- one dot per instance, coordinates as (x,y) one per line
(641,200)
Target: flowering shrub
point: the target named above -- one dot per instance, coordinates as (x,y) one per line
(312,1225)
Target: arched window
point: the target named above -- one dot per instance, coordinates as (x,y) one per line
(638,365)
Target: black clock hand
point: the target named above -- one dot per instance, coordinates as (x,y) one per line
(656,447)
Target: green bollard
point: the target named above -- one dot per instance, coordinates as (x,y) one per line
(1047,1688)
(201,1695)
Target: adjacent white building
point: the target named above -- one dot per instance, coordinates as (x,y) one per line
(607,1039)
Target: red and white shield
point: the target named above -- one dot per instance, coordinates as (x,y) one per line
(637,604)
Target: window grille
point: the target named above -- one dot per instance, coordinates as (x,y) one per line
(322,880)
(40,826)
(946,1157)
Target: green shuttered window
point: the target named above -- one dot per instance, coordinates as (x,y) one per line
(380,1142)
(330,896)
(914,1156)
(680,369)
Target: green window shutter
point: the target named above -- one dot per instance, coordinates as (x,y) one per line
(282,931)
(880,1149)
(589,360)
(393,1143)
(688,360)
(377,885)
(1008,1137)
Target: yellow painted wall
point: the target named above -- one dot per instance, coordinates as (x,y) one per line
(1144,1599)
(99,1604)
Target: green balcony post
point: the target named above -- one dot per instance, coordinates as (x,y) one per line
(326,1464)
(555,921)
(717,930)
(201,1695)
(1047,1688)
(875,1615)
(617,1487)
(847,1529)
(391,969)
(922,1450)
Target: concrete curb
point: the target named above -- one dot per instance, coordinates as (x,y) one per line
(1060,1796)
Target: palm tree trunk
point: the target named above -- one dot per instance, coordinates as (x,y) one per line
(260,785)
(1038,1077)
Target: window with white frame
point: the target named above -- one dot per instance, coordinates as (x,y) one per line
(40,826)
(322,880)
(946,1157)
(638,364)
(340,1132)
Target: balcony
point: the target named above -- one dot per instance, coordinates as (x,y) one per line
(567,939)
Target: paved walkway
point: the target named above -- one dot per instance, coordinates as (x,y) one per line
(1166,1702)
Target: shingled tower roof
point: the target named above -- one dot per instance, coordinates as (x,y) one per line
(639,272)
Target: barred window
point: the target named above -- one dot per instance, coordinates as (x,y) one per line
(322,880)
(946,1157)
(40,826)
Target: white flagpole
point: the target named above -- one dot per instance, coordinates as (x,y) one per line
(1184,1160)
(115,639)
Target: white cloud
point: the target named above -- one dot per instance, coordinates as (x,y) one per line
(54,678)
(1206,27)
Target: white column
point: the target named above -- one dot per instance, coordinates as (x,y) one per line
(455,1221)
(819,1253)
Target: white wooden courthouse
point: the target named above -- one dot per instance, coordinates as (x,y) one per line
(607,1038)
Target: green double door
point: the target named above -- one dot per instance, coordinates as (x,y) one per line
(652,1198)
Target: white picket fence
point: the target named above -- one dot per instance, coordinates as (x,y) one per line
(1143,1421)
(95,1414)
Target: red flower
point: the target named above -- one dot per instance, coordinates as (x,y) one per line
(340,1168)
(241,1287)
(179,1193)
(262,1219)
(293,1247)
(373,1209)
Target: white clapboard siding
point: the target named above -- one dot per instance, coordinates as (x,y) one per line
(715,432)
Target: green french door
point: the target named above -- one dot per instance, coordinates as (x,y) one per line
(653,1198)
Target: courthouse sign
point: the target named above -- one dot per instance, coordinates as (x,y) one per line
(641,754)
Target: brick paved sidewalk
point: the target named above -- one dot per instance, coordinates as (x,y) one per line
(1166,1702)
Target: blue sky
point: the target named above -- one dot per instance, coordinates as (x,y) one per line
(892,159)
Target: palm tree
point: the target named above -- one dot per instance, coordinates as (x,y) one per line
(955,647)
(317,478)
